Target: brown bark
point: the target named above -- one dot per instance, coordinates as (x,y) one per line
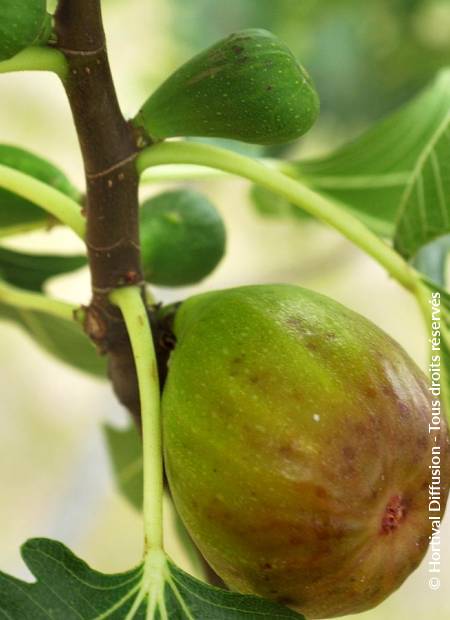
(109,146)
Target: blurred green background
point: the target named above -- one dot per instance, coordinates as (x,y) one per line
(366,58)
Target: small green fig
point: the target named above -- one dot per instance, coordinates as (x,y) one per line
(182,238)
(247,87)
(22,24)
(297,448)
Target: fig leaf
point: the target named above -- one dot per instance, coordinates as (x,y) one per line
(63,339)
(395,177)
(31,271)
(247,87)
(125,452)
(66,587)
(272,205)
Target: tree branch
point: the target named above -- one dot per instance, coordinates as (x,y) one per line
(109,146)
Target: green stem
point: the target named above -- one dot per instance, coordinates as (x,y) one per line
(134,312)
(26,300)
(48,198)
(167,174)
(170,173)
(19,229)
(293,190)
(37,59)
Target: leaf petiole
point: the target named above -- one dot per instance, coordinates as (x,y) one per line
(48,198)
(37,58)
(169,173)
(293,190)
(13,296)
(131,304)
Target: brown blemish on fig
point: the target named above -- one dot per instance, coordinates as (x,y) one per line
(238,49)
(288,601)
(422,442)
(207,73)
(388,390)
(312,344)
(370,392)
(321,492)
(349,453)
(403,408)
(394,513)
(289,450)
(298,324)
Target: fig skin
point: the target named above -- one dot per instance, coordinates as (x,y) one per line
(182,236)
(247,87)
(297,448)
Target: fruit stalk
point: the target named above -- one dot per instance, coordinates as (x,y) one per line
(133,309)
(108,146)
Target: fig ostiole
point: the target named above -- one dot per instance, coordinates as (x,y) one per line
(297,448)
(22,24)
(182,238)
(247,87)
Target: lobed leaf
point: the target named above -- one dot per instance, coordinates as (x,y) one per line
(125,452)
(431,260)
(66,588)
(271,205)
(424,211)
(63,339)
(31,271)
(396,176)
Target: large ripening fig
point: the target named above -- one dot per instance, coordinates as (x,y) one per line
(297,448)
(247,87)
(22,24)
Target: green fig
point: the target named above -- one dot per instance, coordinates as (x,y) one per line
(22,24)
(247,87)
(182,238)
(297,448)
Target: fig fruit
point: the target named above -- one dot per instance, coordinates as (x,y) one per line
(22,24)
(247,87)
(297,448)
(182,238)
